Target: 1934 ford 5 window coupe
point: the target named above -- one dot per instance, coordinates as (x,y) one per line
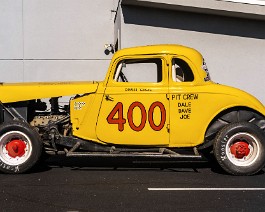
(155,102)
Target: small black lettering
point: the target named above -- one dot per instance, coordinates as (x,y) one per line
(175,96)
(145,89)
(187,96)
(185,116)
(184,104)
(188,110)
(131,89)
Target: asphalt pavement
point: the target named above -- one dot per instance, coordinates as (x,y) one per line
(83,184)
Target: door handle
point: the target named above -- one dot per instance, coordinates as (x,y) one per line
(108,98)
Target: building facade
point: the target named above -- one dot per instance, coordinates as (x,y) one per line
(62,40)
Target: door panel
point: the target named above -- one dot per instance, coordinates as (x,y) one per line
(134,118)
(187,105)
(135,108)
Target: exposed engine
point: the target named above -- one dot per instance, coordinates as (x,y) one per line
(51,123)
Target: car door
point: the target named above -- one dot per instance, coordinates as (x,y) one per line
(186,98)
(135,107)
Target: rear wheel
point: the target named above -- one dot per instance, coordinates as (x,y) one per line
(20,147)
(239,148)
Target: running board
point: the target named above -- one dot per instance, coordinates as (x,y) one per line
(138,155)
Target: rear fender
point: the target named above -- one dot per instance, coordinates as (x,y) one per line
(228,116)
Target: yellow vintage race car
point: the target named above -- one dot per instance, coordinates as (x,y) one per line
(156,102)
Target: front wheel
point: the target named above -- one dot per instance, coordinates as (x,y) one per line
(239,148)
(20,147)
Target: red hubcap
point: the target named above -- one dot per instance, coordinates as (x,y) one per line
(240,149)
(16,148)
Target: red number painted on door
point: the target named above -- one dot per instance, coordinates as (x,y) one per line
(151,116)
(130,116)
(120,120)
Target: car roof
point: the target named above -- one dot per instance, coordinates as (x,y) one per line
(158,49)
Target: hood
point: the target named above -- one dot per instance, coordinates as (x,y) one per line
(15,92)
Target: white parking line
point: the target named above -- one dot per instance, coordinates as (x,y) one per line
(206,189)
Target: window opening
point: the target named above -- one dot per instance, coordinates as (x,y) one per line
(139,70)
(181,71)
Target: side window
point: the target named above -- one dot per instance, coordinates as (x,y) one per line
(181,72)
(139,70)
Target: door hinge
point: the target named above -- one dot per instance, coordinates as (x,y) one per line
(168,128)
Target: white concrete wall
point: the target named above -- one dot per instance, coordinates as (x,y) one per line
(51,40)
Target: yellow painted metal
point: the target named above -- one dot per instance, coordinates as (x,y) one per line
(192,108)
(193,105)
(84,119)
(128,94)
(189,106)
(15,92)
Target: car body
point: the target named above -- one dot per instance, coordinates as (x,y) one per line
(157,96)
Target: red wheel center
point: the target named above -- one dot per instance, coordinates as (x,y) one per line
(240,149)
(16,148)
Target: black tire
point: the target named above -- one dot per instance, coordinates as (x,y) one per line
(239,148)
(20,147)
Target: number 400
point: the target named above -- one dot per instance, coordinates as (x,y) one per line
(120,120)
